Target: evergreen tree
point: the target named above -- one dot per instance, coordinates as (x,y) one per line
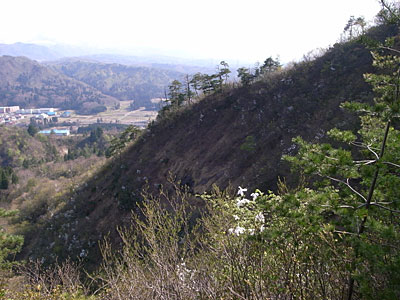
(360,190)
(223,73)
(32,130)
(9,244)
(176,96)
(270,65)
(195,82)
(118,144)
(14,178)
(245,76)
(4,181)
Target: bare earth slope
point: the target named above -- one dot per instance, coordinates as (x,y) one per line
(235,137)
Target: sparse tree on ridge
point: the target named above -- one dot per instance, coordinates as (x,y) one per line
(188,92)
(195,82)
(176,97)
(270,65)
(223,73)
(354,27)
(245,75)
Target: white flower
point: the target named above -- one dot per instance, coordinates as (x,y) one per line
(251,231)
(236,217)
(241,191)
(237,231)
(262,228)
(260,217)
(255,196)
(242,202)
(83,253)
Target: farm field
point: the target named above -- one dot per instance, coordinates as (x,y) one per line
(123,115)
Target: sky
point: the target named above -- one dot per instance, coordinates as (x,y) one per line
(245,30)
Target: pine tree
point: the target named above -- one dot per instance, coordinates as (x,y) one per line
(4,180)
(360,186)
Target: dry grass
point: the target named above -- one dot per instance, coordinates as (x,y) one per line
(122,116)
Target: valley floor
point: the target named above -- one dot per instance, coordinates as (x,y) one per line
(140,117)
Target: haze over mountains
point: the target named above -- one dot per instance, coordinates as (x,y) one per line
(45,53)
(75,78)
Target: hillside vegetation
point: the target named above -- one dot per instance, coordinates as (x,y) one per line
(38,173)
(138,84)
(233,137)
(284,186)
(27,83)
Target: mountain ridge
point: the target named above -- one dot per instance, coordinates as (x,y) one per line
(27,83)
(231,138)
(140,84)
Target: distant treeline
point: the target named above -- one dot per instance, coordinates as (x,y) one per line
(104,126)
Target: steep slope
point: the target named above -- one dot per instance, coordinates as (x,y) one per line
(123,82)
(235,137)
(29,84)
(17,147)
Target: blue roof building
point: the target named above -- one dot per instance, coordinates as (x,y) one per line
(58,132)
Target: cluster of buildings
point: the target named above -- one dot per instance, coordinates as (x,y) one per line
(10,115)
(39,116)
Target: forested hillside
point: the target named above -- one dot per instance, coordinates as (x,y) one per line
(139,84)
(27,83)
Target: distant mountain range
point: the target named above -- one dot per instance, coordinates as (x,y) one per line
(76,78)
(32,51)
(54,52)
(27,83)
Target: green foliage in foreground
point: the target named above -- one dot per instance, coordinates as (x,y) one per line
(360,187)
(10,245)
(244,246)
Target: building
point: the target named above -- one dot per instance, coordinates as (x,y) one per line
(8,109)
(40,119)
(46,110)
(58,132)
(23,111)
(33,111)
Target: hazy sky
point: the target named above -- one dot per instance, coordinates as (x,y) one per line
(246,30)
